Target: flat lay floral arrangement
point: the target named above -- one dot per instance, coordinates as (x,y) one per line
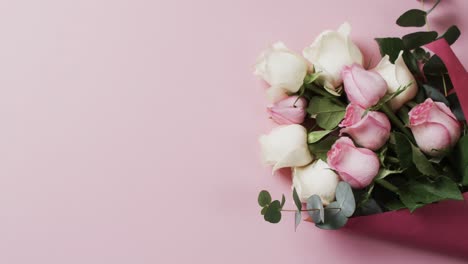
(359,140)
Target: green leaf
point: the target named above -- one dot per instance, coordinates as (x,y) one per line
(456,107)
(390,47)
(422,163)
(412,62)
(370,207)
(435,66)
(264,209)
(412,18)
(402,149)
(273,213)
(345,198)
(334,218)
(296,199)
(420,96)
(459,159)
(264,198)
(320,149)
(465,177)
(329,114)
(283,201)
(330,121)
(394,204)
(315,203)
(320,105)
(297,220)
(435,94)
(417,193)
(409,154)
(418,39)
(315,136)
(385,172)
(452,34)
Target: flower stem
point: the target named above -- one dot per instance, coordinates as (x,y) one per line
(387,185)
(445,84)
(397,122)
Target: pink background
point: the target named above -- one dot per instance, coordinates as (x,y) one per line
(129,130)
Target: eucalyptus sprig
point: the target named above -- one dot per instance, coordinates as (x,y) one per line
(333,216)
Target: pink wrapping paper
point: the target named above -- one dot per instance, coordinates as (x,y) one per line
(441,227)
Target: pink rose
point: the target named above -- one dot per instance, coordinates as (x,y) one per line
(434,127)
(364,88)
(288,111)
(356,166)
(370,131)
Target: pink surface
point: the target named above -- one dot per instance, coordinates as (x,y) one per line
(129,130)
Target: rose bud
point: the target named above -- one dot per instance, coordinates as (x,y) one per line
(364,88)
(282,69)
(397,75)
(329,53)
(434,127)
(356,166)
(371,131)
(288,111)
(315,178)
(286,146)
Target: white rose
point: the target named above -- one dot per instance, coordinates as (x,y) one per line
(329,53)
(286,146)
(282,69)
(397,75)
(316,178)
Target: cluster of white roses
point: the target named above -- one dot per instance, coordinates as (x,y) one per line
(284,70)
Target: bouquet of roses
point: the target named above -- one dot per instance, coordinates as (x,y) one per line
(364,141)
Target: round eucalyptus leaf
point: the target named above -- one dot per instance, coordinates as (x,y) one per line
(334,218)
(345,199)
(318,214)
(452,34)
(264,198)
(273,213)
(412,18)
(418,39)
(298,218)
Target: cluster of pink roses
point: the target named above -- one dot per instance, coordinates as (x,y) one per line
(362,131)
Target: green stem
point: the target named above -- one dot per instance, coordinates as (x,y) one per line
(397,122)
(435,5)
(445,85)
(322,92)
(387,185)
